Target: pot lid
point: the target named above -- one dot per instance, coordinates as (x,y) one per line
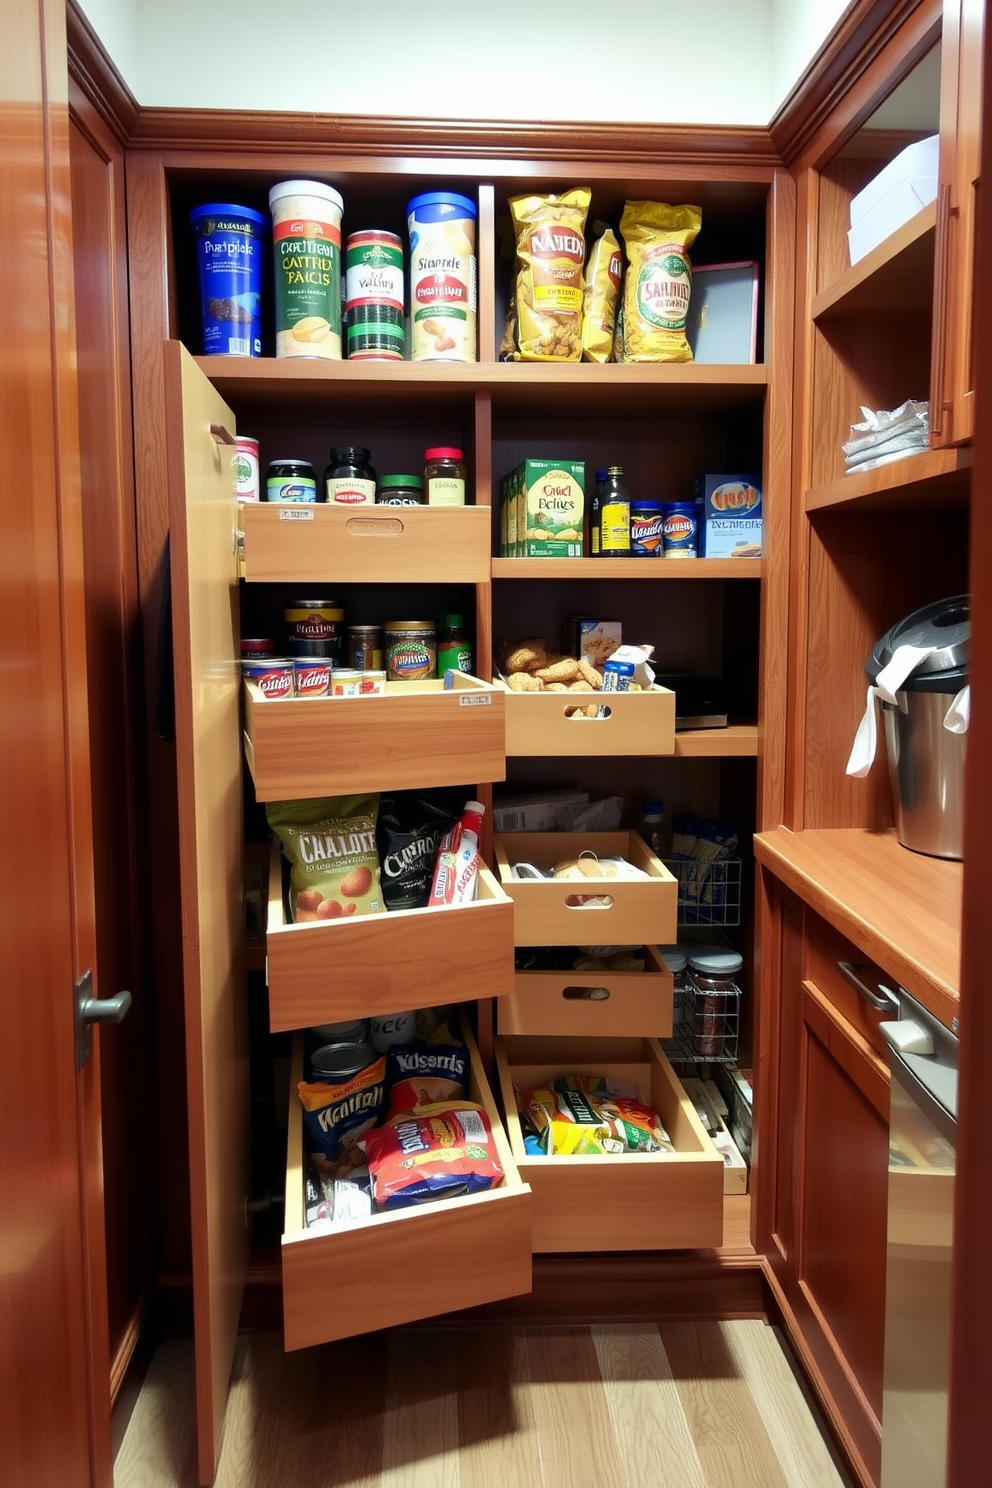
(944,625)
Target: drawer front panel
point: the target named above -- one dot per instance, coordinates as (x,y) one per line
(639,723)
(826,950)
(608,1004)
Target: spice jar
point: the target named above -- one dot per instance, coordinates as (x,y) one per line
(349,479)
(454,650)
(714,998)
(445,476)
(401,490)
(411,650)
(289,482)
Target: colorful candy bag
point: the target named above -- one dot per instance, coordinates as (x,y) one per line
(570,1118)
(658,280)
(335,1116)
(443,1152)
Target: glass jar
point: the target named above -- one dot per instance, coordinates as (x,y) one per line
(365,647)
(290,482)
(714,999)
(614,524)
(411,650)
(349,479)
(454,650)
(445,476)
(401,490)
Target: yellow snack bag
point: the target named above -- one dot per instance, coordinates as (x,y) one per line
(659,280)
(599,297)
(551,250)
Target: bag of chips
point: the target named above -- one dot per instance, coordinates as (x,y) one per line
(570,1120)
(424,1073)
(330,843)
(446,1150)
(335,1116)
(600,291)
(409,828)
(551,250)
(658,281)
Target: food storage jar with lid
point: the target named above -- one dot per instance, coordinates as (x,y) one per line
(411,650)
(401,490)
(445,476)
(349,479)
(290,482)
(714,999)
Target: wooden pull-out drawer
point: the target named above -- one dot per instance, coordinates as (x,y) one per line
(378,964)
(617,1004)
(412,736)
(366,545)
(413,1263)
(640,909)
(637,723)
(643,1201)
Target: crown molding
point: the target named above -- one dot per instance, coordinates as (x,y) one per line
(91,68)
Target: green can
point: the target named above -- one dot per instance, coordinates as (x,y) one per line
(306,240)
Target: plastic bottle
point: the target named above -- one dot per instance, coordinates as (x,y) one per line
(614,534)
(595,510)
(454,650)
(654,829)
(457,867)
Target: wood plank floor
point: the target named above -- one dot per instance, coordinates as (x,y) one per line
(679,1405)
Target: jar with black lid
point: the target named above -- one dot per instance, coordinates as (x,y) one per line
(349,479)
(289,482)
(401,490)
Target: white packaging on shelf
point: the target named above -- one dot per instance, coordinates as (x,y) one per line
(917,161)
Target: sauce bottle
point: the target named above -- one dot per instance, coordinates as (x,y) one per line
(614,524)
(454,651)
(595,513)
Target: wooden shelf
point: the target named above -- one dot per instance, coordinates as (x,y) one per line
(738,740)
(626,568)
(931,478)
(901,908)
(892,279)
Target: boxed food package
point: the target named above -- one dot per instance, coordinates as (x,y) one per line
(596,640)
(897,193)
(538,812)
(546,507)
(730,519)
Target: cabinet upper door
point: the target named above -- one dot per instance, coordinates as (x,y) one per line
(203,512)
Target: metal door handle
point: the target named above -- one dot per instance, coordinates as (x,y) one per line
(90,1010)
(884,1003)
(222,435)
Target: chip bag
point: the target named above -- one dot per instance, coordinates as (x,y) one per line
(658,281)
(446,1150)
(336,1116)
(424,1073)
(571,1121)
(551,250)
(330,843)
(600,292)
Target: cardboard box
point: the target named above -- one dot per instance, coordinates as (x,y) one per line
(730,519)
(594,639)
(548,499)
(534,813)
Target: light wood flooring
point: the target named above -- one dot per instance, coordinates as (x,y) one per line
(680,1405)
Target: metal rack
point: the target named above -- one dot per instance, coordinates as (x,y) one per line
(706,1026)
(709,893)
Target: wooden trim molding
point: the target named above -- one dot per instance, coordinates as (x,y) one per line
(91,68)
(223,130)
(849,51)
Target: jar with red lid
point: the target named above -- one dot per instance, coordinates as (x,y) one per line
(445,476)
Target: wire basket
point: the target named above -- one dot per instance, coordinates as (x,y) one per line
(705,1025)
(709,893)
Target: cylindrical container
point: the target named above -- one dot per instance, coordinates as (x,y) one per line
(647,527)
(290,482)
(595,513)
(676,960)
(614,518)
(346,682)
(315,627)
(681,530)
(365,647)
(400,490)
(445,476)
(454,649)
(395,1028)
(373,681)
(230,255)
(411,650)
(245,463)
(442,277)
(652,828)
(311,676)
(306,238)
(374,297)
(617,675)
(333,1063)
(258,648)
(714,998)
(351,1031)
(273,676)
(349,479)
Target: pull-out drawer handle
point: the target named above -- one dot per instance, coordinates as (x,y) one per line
(887,1002)
(222,435)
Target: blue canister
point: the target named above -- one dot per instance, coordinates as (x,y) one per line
(647,524)
(617,675)
(230,254)
(681,530)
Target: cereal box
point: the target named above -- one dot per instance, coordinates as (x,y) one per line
(730,520)
(549,499)
(596,640)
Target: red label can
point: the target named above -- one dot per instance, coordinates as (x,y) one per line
(274,678)
(312,677)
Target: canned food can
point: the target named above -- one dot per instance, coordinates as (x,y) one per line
(311,676)
(306,239)
(315,627)
(411,650)
(396,1028)
(256,648)
(681,530)
(245,461)
(346,683)
(273,676)
(374,297)
(230,240)
(647,529)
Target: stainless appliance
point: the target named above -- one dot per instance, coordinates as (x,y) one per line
(923,1061)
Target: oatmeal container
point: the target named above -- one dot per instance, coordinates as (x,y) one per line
(442,277)
(306,240)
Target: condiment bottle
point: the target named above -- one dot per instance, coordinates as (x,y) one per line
(595,513)
(349,479)
(653,828)
(454,650)
(445,476)
(614,540)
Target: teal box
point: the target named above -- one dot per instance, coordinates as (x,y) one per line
(730,516)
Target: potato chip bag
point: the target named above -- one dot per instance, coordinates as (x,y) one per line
(330,843)
(570,1120)
(659,280)
(551,250)
(442,1152)
(336,1115)
(601,289)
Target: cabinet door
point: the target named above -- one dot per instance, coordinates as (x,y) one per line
(203,513)
(952,408)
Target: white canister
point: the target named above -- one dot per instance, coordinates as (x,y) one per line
(245,462)
(442,277)
(306,240)
(396,1028)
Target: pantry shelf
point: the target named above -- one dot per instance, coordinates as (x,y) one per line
(737,741)
(935,478)
(901,908)
(626,568)
(893,278)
